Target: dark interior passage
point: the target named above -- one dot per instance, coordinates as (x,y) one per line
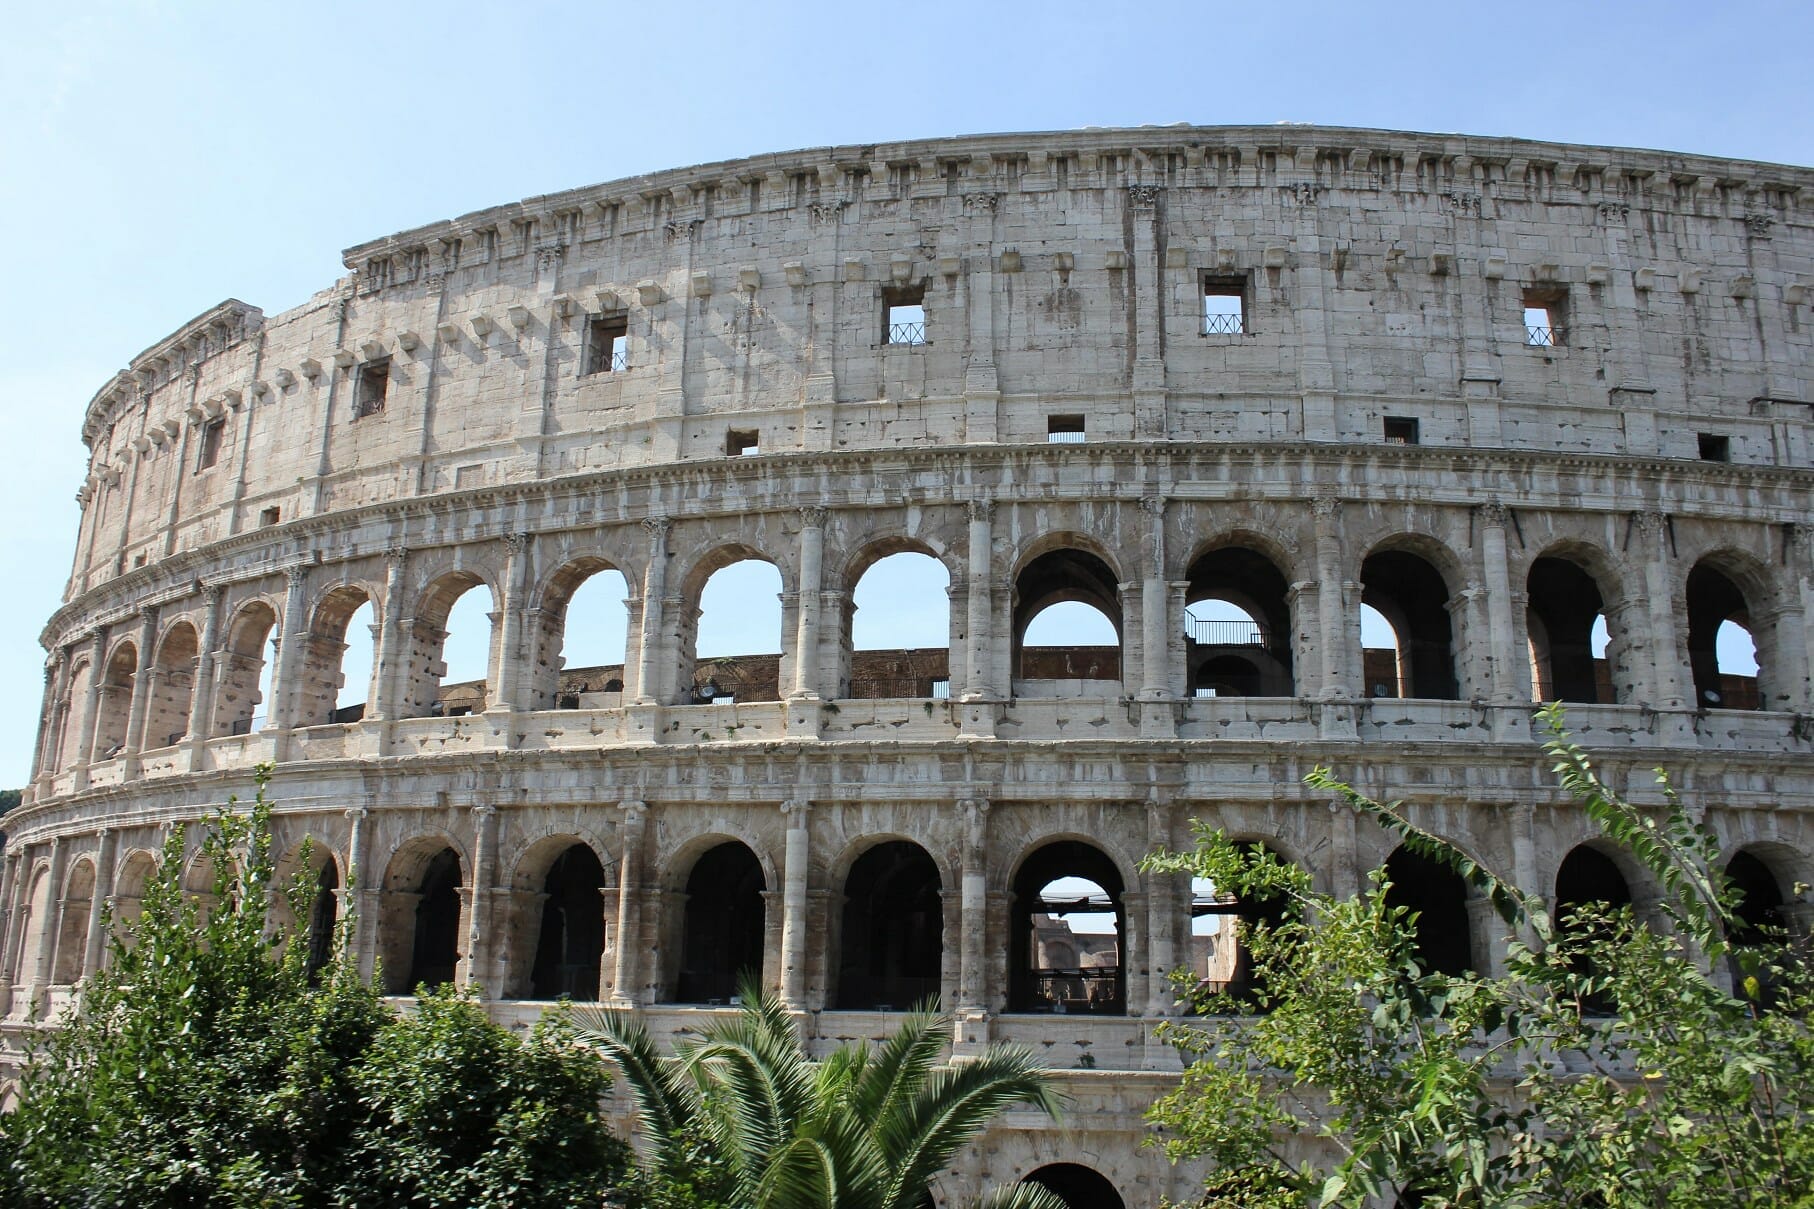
(1714,600)
(1588,878)
(1436,894)
(1413,598)
(1078,1186)
(1564,603)
(436,951)
(1054,966)
(893,929)
(324,914)
(1232,658)
(723,930)
(572,939)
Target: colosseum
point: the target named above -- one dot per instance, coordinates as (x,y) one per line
(1357,442)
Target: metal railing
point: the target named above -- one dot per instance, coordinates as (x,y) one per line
(1096,990)
(907,333)
(1064,438)
(1539,336)
(1225,633)
(620,361)
(1229,323)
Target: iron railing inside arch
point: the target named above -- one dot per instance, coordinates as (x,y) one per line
(1225,633)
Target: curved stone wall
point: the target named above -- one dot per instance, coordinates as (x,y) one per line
(1493,390)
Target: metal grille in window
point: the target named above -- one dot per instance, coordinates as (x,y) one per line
(1228,323)
(1206,632)
(907,333)
(1542,335)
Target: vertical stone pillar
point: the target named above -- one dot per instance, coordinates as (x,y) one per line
(793,903)
(1154,597)
(91,706)
(982,382)
(1345,877)
(144,683)
(47,715)
(978,654)
(630,940)
(285,703)
(1503,663)
(96,941)
(507,693)
(9,940)
(201,702)
(359,893)
(53,925)
(1801,686)
(973,908)
(1162,910)
(1338,629)
(806,634)
(1667,657)
(387,677)
(478,915)
(1146,272)
(654,590)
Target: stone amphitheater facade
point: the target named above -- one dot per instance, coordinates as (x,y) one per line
(1493,389)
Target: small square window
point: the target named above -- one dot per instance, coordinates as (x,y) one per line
(1224,306)
(607,344)
(209,453)
(941,690)
(741,444)
(268,517)
(1714,447)
(904,314)
(1544,317)
(1064,430)
(374,384)
(1401,430)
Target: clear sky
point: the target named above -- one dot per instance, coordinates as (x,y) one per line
(157,158)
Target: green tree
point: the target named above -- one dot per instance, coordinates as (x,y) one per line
(208,1065)
(771,1129)
(1610,1066)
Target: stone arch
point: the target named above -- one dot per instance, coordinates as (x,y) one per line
(319,884)
(1590,874)
(34,928)
(136,869)
(692,585)
(1567,585)
(1437,897)
(316,701)
(1726,585)
(912,673)
(548,616)
(558,927)
(425,638)
(1254,660)
(1078,1186)
(1097,984)
(81,672)
(1402,578)
(421,911)
(890,935)
(1058,569)
(1226,969)
(77,909)
(240,667)
(172,687)
(717,923)
(114,709)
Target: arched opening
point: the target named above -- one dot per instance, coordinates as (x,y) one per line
(243,676)
(72,937)
(1761,927)
(1589,887)
(1067,627)
(1077,1186)
(1237,626)
(893,934)
(324,916)
(172,687)
(570,947)
(67,738)
(1566,622)
(336,662)
(115,705)
(129,895)
(722,931)
(582,635)
(1722,649)
(421,914)
(1437,898)
(450,649)
(900,629)
(31,931)
(1221,928)
(733,638)
(1411,597)
(1068,932)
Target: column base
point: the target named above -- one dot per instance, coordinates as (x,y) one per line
(804,717)
(1158,719)
(977,719)
(643,722)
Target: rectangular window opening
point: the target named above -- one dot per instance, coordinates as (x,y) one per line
(741,444)
(904,314)
(209,453)
(268,517)
(1714,447)
(607,344)
(1544,320)
(374,384)
(941,690)
(1064,430)
(1224,306)
(1401,430)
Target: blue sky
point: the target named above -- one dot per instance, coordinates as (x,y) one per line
(157,158)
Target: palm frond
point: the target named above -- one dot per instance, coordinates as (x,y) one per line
(664,1097)
(955,1104)
(901,1067)
(1022,1196)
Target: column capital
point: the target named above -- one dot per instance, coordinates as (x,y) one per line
(656,527)
(516,543)
(148,615)
(211,593)
(813,516)
(635,811)
(1153,505)
(981,510)
(356,814)
(1326,508)
(396,556)
(296,574)
(795,811)
(1650,524)
(1494,513)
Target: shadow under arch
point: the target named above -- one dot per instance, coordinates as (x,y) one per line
(1052,967)
(1078,1186)
(891,943)
(722,924)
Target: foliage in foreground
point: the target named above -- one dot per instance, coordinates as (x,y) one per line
(1608,1067)
(743,1117)
(207,1067)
